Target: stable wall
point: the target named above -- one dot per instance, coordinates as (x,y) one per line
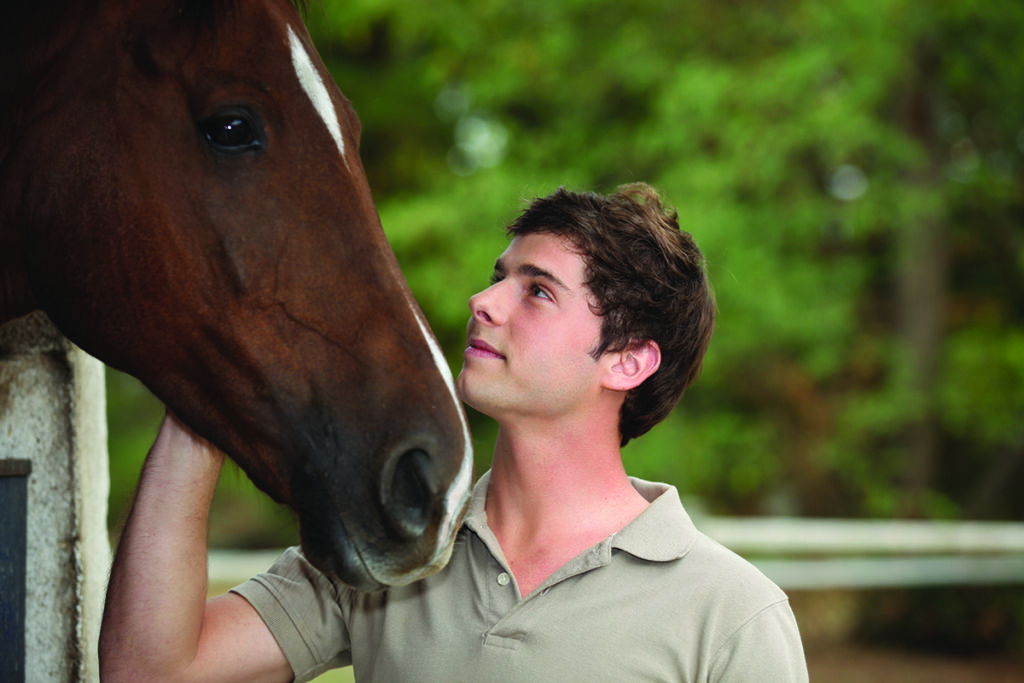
(53,413)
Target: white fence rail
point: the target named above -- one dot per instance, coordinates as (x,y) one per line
(807,554)
(814,554)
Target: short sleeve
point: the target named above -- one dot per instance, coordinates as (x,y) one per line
(303,610)
(767,648)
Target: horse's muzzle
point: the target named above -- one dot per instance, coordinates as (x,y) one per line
(374,532)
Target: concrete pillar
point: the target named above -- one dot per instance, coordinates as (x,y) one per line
(53,413)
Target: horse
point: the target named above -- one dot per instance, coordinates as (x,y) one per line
(181,193)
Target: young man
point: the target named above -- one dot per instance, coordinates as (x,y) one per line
(565,569)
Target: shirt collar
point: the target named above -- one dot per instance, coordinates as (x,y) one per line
(661,533)
(476,516)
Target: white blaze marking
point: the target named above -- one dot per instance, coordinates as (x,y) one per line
(460,490)
(461,487)
(311,82)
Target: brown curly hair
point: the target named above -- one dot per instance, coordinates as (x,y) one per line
(648,280)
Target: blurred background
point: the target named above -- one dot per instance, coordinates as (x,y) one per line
(854,173)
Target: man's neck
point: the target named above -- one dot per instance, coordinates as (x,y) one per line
(552,495)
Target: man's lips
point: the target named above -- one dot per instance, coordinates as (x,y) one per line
(480,349)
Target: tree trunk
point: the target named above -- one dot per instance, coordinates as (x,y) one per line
(922,288)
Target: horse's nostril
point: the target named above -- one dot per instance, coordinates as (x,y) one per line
(411,495)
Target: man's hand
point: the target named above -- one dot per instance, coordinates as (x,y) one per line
(158,624)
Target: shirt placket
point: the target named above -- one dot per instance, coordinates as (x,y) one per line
(512,624)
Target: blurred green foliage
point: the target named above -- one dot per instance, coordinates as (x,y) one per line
(853,172)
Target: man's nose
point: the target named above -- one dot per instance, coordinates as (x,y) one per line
(485,307)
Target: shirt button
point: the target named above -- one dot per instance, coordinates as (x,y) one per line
(503,579)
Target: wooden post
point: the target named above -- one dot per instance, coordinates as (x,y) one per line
(53,415)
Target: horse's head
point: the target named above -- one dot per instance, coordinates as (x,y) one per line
(195,213)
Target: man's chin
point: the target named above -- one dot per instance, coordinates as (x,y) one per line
(474,399)
(460,389)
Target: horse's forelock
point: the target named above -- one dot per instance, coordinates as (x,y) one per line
(206,14)
(27,19)
(209,14)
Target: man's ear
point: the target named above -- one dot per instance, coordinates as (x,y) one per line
(630,367)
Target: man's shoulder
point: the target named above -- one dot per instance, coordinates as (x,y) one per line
(712,578)
(710,607)
(718,564)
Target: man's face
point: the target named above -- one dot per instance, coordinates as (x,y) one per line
(531,333)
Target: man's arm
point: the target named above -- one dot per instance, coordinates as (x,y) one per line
(158,624)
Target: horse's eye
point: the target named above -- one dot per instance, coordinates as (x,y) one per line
(230,132)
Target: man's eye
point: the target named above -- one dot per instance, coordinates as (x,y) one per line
(538,291)
(496,278)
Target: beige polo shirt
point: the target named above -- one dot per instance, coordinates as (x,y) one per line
(657,601)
